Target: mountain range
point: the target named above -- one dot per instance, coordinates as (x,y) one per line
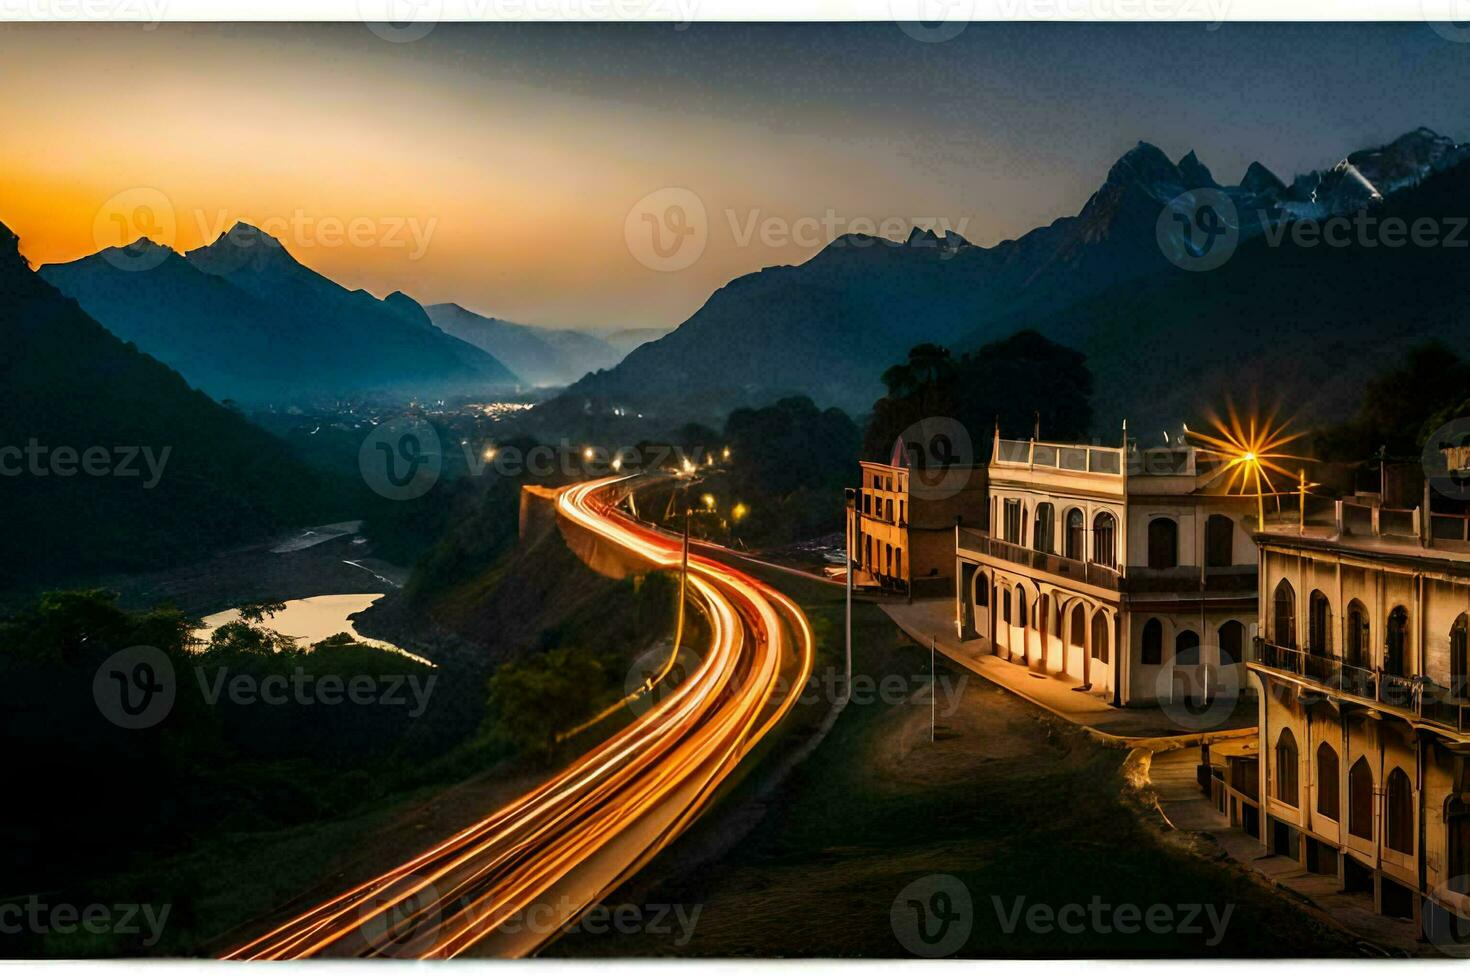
(122,464)
(242,319)
(537,355)
(830,326)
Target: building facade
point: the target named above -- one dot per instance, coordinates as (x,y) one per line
(901,520)
(1125,571)
(1365,725)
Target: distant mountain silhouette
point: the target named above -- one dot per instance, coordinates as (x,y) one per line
(829,327)
(1299,327)
(537,355)
(242,319)
(72,397)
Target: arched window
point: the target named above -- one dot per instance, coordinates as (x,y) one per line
(1396,642)
(1328,793)
(1076,534)
(1460,657)
(1005,607)
(1286,768)
(1153,642)
(1283,632)
(1219,541)
(982,590)
(1021,608)
(1056,618)
(1399,807)
(1186,648)
(1319,625)
(1101,636)
(1163,543)
(1358,642)
(1079,626)
(1232,642)
(1043,533)
(1105,540)
(1360,799)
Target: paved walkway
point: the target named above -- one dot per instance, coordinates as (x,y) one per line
(1184,805)
(923,619)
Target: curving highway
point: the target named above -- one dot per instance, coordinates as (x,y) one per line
(508,884)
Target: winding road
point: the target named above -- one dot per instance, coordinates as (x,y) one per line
(507,885)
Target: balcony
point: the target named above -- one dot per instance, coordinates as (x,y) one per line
(1086,572)
(1188,578)
(1416,696)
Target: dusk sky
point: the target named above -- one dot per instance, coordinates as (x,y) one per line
(517,152)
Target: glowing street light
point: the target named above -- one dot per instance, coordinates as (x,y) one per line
(1249,453)
(708,500)
(738,512)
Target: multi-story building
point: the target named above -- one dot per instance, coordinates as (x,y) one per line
(901,520)
(1129,572)
(1365,724)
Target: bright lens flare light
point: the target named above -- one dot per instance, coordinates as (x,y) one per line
(1250,451)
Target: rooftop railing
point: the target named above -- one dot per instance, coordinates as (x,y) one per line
(1080,571)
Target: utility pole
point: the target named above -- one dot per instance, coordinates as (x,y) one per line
(851,523)
(933,691)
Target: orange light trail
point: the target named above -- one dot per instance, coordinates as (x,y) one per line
(567,843)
